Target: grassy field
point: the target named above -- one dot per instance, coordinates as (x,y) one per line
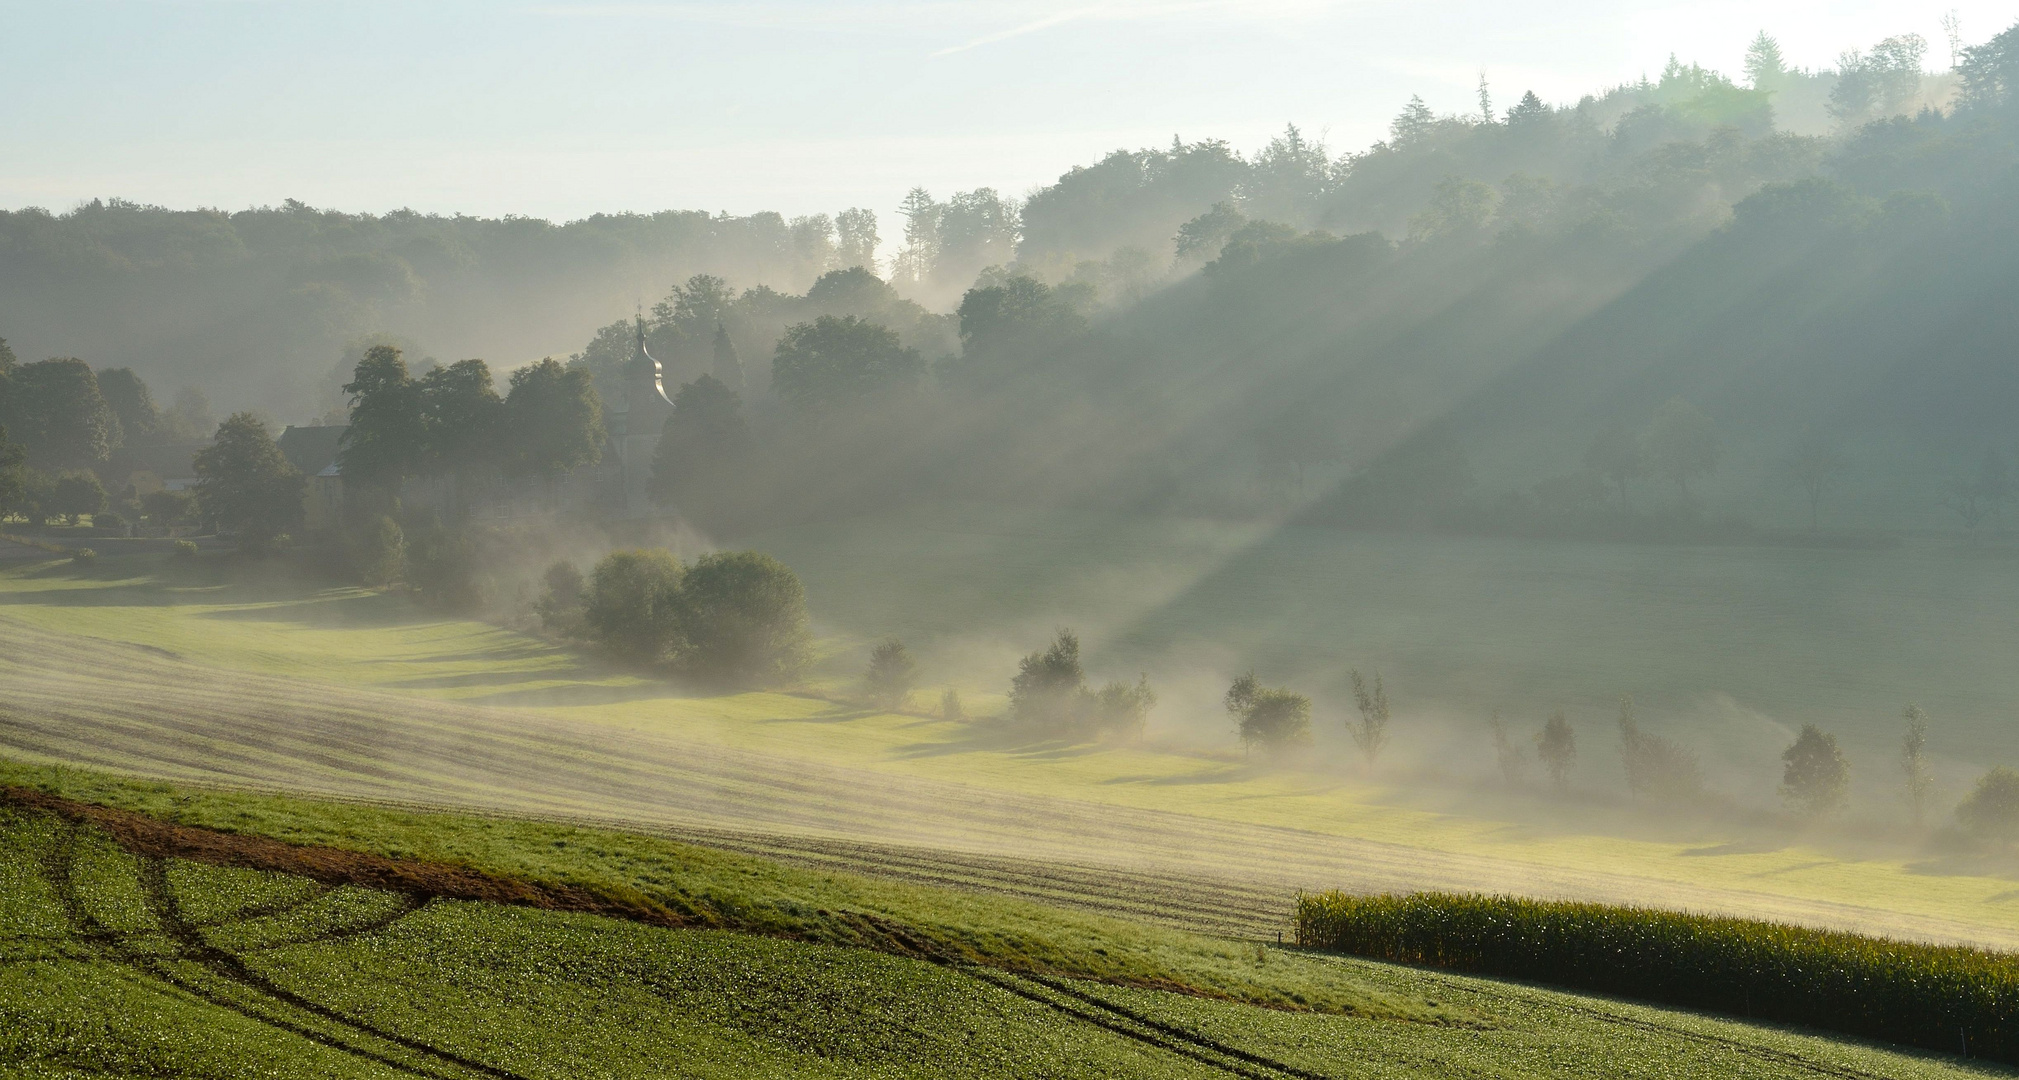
(120,959)
(160,668)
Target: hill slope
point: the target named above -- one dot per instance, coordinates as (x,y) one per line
(171,966)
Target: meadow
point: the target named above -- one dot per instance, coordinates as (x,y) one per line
(205,672)
(173,952)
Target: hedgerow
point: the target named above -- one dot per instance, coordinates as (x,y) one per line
(1946,998)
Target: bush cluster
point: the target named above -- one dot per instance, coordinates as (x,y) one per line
(1050,691)
(1937,997)
(733,616)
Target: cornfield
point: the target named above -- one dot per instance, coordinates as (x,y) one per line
(1946,998)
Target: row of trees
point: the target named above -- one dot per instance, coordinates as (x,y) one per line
(66,415)
(1815,774)
(451,422)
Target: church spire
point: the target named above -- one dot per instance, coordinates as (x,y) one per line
(650,362)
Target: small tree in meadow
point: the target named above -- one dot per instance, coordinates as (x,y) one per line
(1914,761)
(1656,768)
(950,707)
(1512,761)
(743,618)
(1050,690)
(1991,810)
(1556,745)
(1371,733)
(891,674)
(1269,717)
(1815,774)
(1122,708)
(1048,685)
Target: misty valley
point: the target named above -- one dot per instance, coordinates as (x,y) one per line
(1532,597)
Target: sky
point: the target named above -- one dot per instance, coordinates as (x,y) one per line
(564,109)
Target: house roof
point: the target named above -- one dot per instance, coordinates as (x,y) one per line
(312,449)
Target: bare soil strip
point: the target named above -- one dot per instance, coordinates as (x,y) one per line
(152,838)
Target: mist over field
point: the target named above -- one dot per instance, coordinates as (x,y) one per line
(1589,489)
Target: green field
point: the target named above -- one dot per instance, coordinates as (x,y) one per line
(203,672)
(120,959)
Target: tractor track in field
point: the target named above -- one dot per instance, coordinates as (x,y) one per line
(57,869)
(261,1000)
(153,841)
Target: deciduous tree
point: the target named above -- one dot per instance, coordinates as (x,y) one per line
(245,485)
(1991,810)
(1556,745)
(1814,774)
(743,619)
(891,674)
(1914,761)
(1656,768)
(1371,734)
(553,420)
(387,437)
(837,359)
(60,415)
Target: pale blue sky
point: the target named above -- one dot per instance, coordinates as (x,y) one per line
(561,109)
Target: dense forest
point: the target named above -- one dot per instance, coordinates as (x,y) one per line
(1693,304)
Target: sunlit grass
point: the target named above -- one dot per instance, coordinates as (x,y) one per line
(342,636)
(345,982)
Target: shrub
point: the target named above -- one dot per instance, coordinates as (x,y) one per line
(1122,709)
(84,555)
(109,519)
(166,508)
(184,549)
(633,604)
(1048,686)
(1050,691)
(1815,773)
(950,707)
(891,674)
(1269,717)
(74,495)
(379,552)
(442,565)
(1991,810)
(1656,768)
(744,618)
(560,606)
(1921,995)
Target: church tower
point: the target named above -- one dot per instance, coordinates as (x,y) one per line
(644,411)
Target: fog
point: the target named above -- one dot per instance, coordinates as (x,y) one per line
(1694,387)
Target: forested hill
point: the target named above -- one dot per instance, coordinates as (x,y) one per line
(256,307)
(1655,308)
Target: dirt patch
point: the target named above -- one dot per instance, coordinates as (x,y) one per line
(153,837)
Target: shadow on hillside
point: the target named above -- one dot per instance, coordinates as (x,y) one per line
(354,611)
(999,739)
(579,695)
(1223,774)
(483,678)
